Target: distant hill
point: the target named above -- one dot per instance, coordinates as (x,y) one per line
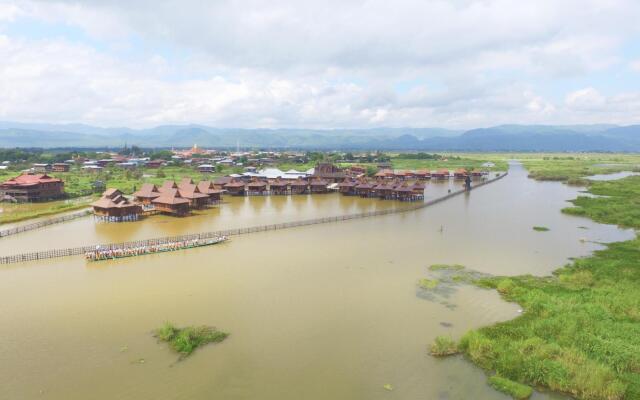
(601,137)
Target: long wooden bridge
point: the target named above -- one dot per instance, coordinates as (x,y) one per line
(81,250)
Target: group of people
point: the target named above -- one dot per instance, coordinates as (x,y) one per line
(106,254)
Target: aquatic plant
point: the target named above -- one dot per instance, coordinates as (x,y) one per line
(446,267)
(580,332)
(186,340)
(540,228)
(443,346)
(425,283)
(513,389)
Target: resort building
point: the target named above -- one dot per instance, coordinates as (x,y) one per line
(42,168)
(329,172)
(32,187)
(318,186)
(171,202)
(460,173)
(114,207)
(190,191)
(208,188)
(279,187)
(299,186)
(235,188)
(257,187)
(348,187)
(440,174)
(365,189)
(147,193)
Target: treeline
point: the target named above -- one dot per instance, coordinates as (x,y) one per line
(425,156)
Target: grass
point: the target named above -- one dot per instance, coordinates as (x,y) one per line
(24,211)
(425,283)
(446,267)
(186,340)
(540,228)
(443,346)
(573,168)
(580,330)
(513,389)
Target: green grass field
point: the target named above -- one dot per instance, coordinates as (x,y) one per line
(580,330)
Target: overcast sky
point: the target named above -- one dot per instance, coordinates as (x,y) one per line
(322,64)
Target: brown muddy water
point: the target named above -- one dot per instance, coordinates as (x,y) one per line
(319,312)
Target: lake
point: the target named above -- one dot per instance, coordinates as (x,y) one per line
(319,312)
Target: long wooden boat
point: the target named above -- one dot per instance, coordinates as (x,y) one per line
(111,254)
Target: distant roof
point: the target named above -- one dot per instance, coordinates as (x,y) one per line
(170,196)
(31,179)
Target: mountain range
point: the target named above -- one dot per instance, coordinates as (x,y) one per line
(602,137)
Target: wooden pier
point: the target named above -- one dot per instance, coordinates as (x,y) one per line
(55,253)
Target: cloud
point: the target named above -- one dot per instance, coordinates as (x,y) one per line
(314,64)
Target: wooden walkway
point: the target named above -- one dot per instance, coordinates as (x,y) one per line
(47,254)
(44,222)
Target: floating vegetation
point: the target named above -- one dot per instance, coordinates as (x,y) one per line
(446,267)
(540,228)
(443,346)
(513,389)
(428,283)
(186,340)
(388,386)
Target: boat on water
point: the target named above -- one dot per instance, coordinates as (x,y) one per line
(100,254)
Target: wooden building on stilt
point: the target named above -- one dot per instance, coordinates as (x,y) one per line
(114,207)
(299,186)
(279,187)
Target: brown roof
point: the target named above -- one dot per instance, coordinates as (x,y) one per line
(223,180)
(113,198)
(207,187)
(298,182)
(423,172)
(365,185)
(257,184)
(348,184)
(148,190)
(186,181)
(191,191)
(30,180)
(442,171)
(235,184)
(319,182)
(167,185)
(171,196)
(279,183)
(111,193)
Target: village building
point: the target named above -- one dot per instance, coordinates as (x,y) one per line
(147,193)
(41,168)
(235,188)
(440,174)
(329,172)
(365,189)
(221,182)
(208,188)
(386,190)
(279,187)
(206,168)
(299,186)
(257,187)
(154,163)
(32,187)
(60,167)
(423,174)
(460,173)
(114,207)
(189,190)
(318,186)
(171,202)
(384,174)
(348,187)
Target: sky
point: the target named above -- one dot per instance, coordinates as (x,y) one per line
(457,64)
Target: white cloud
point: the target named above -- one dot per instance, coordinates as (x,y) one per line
(315,64)
(635,65)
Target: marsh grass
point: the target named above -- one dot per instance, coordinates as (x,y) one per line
(425,283)
(443,346)
(514,389)
(186,340)
(580,332)
(540,228)
(446,267)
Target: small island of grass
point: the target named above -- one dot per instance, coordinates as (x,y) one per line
(513,389)
(186,340)
(540,228)
(443,346)
(425,283)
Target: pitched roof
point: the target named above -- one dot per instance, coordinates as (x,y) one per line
(171,196)
(31,179)
(113,198)
(148,190)
(167,185)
